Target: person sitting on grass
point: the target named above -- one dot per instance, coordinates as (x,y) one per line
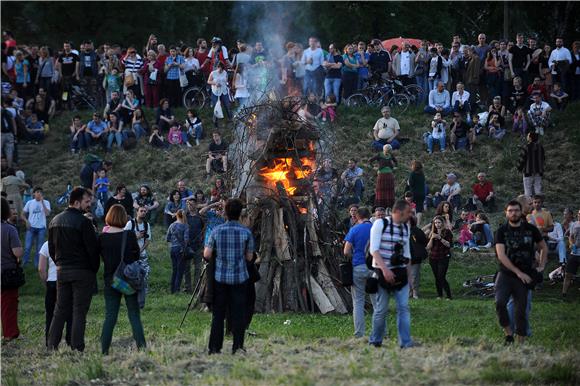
(386,131)
(96,131)
(438,126)
(34,129)
(194,125)
(539,114)
(476,125)
(115,131)
(520,125)
(156,139)
(573,259)
(483,194)
(481,231)
(450,192)
(518,96)
(461,134)
(495,126)
(558,98)
(328,109)
(139,123)
(535,87)
(177,136)
(557,242)
(460,100)
(217,159)
(439,100)
(163,116)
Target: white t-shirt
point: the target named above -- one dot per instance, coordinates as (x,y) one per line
(536,109)
(405,63)
(36,216)
(386,127)
(448,190)
(139,228)
(51,266)
(191,64)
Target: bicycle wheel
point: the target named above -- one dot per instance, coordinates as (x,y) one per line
(399,103)
(356,100)
(193,98)
(414,93)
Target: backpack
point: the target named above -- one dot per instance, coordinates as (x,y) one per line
(91,158)
(386,222)
(146,228)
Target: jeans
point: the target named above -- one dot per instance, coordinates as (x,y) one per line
(532,185)
(178,269)
(431,141)
(381,309)
(112,305)
(357,291)
(35,235)
(312,83)
(225,101)
(508,286)
(439,268)
(114,136)
(78,143)
(422,82)
(332,86)
(232,297)
(90,141)
(378,144)
(349,82)
(139,130)
(196,131)
(510,308)
(73,300)
(191,282)
(49,304)
(431,110)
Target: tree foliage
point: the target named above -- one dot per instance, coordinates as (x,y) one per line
(341,22)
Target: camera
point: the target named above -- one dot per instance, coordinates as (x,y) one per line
(398,258)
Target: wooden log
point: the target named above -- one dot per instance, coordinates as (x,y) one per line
(276,290)
(290,290)
(313,235)
(281,237)
(263,287)
(329,289)
(268,208)
(320,298)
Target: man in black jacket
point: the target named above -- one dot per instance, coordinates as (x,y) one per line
(72,243)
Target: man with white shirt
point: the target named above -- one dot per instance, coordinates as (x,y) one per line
(460,100)
(312,58)
(34,215)
(539,113)
(385,131)
(404,64)
(559,62)
(450,192)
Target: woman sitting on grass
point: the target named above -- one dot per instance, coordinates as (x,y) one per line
(115,131)
(110,243)
(156,139)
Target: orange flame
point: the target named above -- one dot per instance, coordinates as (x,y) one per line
(283,167)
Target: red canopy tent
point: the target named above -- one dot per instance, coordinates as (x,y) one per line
(389,43)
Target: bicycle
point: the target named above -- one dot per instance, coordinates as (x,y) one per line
(196,95)
(482,286)
(380,95)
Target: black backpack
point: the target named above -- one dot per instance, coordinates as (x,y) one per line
(146,229)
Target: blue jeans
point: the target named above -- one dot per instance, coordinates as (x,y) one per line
(357,291)
(116,136)
(560,247)
(139,130)
(488,236)
(431,110)
(422,82)
(510,308)
(196,131)
(378,145)
(178,269)
(332,86)
(358,189)
(312,83)
(35,235)
(431,141)
(90,141)
(381,309)
(78,143)
(225,100)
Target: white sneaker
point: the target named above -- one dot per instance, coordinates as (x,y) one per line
(188,144)
(488,245)
(474,249)
(196,142)
(465,248)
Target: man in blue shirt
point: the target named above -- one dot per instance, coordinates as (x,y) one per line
(96,132)
(173,67)
(355,244)
(233,244)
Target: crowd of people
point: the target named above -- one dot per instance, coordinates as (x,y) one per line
(513,79)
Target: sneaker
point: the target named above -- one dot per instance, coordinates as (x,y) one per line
(488,245)
(376,344)
(188,144)
(196,142)
(415,297)
(474,249)
(465,248)
(509,340)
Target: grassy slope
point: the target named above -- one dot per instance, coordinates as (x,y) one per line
(460,337)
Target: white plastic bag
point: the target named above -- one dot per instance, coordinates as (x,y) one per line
(153,76)
(217,110)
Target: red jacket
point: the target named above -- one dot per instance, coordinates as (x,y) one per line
(482,191)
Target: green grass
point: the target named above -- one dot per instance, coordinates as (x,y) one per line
(462,343)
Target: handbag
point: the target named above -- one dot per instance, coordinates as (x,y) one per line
(13,277)
(120,282)
(129,78)
(183,82)
(346,279)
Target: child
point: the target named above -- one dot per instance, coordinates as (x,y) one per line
(520,123)
(303,112)
(34,129)
(558,97)
(438,125)
(462,225)
(17,102)
(156,139)
(194,126)
(537,86)
(477,126)
(409,199)
(112,83)
(495,129)
(102,186)
(175,136)
(313,107)
(518,97)
(328,108)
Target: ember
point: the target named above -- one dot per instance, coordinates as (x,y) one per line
(288,172)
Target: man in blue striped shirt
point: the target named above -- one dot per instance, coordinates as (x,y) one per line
(233,244)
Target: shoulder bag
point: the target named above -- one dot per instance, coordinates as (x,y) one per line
(120,282)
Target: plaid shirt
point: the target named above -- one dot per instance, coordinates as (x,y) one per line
(173,72)
(232,242)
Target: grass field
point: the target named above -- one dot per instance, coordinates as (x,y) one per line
(461,340)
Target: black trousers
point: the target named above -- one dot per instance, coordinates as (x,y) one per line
(173,92)
(506,286)
(49,303)
(73,300)
(234,298)
(439,268)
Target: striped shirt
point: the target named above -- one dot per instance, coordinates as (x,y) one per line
(385,242)
(231,241)
(133,65)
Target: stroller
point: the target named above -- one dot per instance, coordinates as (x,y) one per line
(81,99)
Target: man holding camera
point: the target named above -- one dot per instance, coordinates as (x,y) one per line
(516,244)
(389,246)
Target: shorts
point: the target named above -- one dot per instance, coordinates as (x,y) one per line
(572,264)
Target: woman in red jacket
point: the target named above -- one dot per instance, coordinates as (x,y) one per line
(152,72)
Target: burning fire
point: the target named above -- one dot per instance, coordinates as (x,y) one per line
(286,171)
